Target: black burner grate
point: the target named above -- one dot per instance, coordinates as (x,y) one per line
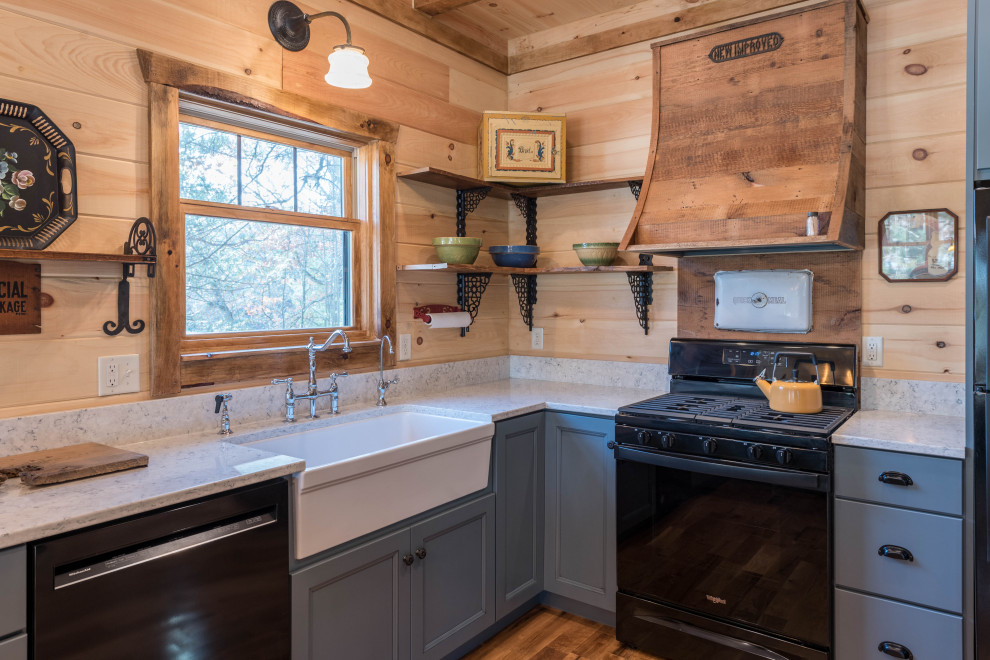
(740,412)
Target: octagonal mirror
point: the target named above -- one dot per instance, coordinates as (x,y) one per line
(919,246)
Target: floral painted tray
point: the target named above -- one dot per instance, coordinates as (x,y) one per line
(37,178)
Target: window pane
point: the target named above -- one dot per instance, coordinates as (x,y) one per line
(320,181)
(253,276)
(207,164)
(267,176)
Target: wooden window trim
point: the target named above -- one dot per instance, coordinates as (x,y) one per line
(175,369)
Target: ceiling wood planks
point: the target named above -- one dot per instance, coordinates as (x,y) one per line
(402,13)
(435,7)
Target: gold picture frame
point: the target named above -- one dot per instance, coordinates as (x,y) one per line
(521,147)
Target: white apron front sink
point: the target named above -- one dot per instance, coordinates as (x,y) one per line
(367,474)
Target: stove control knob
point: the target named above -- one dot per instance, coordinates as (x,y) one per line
(666,441)
(710,445)
(755,452)
(783,456)
(643,437)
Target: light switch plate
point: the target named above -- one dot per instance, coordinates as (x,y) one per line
(119,374)
(405,347)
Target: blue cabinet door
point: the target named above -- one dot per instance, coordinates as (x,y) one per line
(453,578)
(579,556)
(519,505)
(981,89)
(354,605)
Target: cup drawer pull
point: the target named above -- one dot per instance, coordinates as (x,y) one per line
(896,479)
(895,552)
(895,650)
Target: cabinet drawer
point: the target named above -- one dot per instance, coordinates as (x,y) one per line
(936,482)
(13,598)
(862,623)
(15,648)
(934,575)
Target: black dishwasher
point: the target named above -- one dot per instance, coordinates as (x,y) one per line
(207,579)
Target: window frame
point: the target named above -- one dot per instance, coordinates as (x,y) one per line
(181,363)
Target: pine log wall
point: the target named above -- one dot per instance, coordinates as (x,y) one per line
(76,60)
(915,159)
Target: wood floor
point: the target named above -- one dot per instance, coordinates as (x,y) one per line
(548,634)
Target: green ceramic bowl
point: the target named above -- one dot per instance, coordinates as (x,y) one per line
(457,249)
(596,254)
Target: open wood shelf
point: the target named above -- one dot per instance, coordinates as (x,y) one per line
(554,270)
(48,255)
(454,181)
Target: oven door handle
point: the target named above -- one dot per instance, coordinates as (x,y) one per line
(723,640)
(766,475)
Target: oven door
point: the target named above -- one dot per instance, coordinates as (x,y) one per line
(746,545)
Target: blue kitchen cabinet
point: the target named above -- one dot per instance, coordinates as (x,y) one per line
(519,511)
(579,561)
(13,603)
(416,592)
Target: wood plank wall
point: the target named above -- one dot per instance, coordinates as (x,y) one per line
(915,159)
(76,60)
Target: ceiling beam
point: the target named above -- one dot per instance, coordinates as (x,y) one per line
(402,13)
(626,26)
(436,7)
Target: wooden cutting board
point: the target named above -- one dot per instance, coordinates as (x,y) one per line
(54,466)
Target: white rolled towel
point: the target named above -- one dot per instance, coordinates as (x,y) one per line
(450,320)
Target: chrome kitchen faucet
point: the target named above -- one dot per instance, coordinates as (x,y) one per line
(383,385)
(313,393)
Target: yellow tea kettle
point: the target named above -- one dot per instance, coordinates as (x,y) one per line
(792,395)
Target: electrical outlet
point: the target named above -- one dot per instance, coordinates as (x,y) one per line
(119,374)
(537,339)
(405,347)
(872,351)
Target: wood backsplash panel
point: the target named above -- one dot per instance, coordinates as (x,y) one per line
(836,298)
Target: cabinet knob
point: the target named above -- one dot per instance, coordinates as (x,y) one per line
(407,560)
(896,479)
(895,552)
(895,650)
(610,445)
(421,553)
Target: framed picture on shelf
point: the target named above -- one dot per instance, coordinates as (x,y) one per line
(523,147)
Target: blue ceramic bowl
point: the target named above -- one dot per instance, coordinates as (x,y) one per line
(514,256)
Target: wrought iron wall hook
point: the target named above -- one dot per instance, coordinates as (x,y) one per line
(141,241)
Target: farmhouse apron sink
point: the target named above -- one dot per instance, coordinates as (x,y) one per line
(367,474)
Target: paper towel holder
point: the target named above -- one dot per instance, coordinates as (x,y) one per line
(424,311)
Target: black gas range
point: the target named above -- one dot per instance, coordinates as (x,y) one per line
(723,506)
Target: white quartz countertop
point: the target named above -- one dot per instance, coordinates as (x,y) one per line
(187,467)
(931,435)
(179,469)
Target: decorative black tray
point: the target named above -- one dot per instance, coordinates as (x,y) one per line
(37,178)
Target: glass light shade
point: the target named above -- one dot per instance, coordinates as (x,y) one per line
(348,68)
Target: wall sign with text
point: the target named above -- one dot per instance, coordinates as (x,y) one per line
(20,298)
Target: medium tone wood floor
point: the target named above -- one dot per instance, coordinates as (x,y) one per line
(548,634)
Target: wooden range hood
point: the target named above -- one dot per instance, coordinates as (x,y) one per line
(756,124)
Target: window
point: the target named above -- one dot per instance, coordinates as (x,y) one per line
(276,223)
(268,244)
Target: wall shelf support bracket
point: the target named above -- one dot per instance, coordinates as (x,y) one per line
(527,207)
(467,201)
(642,290)
(140,241)
(525,286)
(635,187)
(470,288)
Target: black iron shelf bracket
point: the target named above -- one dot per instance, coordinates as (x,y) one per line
(467,201)
(642,291)
(470,288)
(140,241)
(527,207)
(635,187)
(525,286)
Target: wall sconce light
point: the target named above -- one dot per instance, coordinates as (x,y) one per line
(290,27)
